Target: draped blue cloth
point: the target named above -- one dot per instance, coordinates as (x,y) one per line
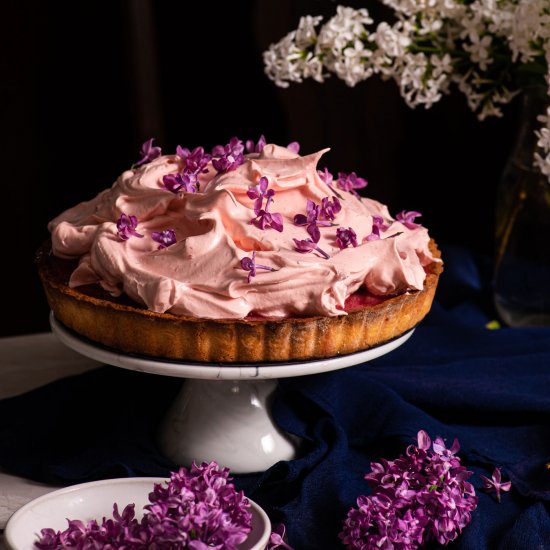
(453,378)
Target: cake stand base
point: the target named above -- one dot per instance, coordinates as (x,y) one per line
(226,421)
(223,412)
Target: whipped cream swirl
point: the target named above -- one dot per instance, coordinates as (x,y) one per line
(201,274)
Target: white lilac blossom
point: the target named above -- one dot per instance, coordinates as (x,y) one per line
(490,50)
(421,496)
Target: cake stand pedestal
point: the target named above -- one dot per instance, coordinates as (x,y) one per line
(223,411)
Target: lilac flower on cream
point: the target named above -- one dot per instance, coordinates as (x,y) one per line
(165,238)
(407,218)
(307,245)
(229,157)
(250,265)
(378,226)
(148,152)
(350,182)
(126,227)
(346,237)
(264,219)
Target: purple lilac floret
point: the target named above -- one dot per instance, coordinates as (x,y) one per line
(407,219)
(250,265)
(165,238)
(421,496)
(328,178)
(126,227)
(186,182)
(228,157)
(277,538)
(317,216)
(148,152)
(252,147)
(193,163)
(346,237)
(330,208)
(495,483)
(294,146)
(307,245)
(350,182)
(264,218)
(197,509)
(378,226)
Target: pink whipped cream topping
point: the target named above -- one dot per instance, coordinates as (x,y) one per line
(201,274)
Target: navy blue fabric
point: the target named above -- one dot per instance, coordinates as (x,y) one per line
(453,378)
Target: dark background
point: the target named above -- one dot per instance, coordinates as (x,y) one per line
(83,84)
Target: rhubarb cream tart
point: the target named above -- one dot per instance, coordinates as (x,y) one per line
(244,254)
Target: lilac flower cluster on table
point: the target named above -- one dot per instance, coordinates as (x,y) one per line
(422,496)
(198,509)
(489,50)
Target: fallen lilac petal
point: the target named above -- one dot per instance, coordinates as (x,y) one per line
(277,538)
(495,483)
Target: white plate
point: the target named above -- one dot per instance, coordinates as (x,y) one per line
(212,371)
(95,500)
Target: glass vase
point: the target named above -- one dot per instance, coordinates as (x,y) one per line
(522,268)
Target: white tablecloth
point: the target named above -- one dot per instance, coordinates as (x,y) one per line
(28,362)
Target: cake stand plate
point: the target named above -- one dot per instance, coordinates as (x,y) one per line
(223,410)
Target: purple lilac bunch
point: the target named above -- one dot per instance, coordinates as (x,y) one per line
(421,496)
(196,510)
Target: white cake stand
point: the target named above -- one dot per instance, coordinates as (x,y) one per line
(223,411)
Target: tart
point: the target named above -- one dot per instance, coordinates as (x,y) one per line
(236,257)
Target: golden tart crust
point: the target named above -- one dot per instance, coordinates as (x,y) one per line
(122,324)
